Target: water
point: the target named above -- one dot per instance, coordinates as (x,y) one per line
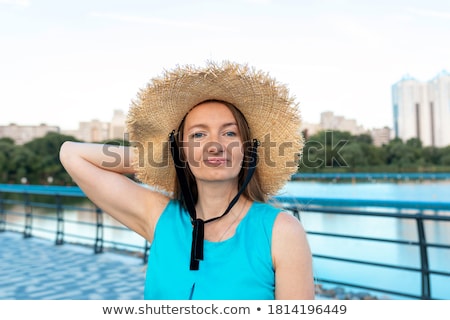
(379,227)
(425,191)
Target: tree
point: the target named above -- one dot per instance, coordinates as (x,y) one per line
(23,164)
(354,156)
(444,158)
(431,155)
(325,148)
(6,150)
(7,140)
(414,143)
(363,138)
(50,169)
(400,155)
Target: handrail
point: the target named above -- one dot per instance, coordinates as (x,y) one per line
(373,176)
(385,203)
(419,217)
(296,205)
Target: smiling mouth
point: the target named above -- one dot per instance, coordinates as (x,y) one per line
(215,161)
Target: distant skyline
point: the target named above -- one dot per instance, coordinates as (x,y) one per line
(64,62)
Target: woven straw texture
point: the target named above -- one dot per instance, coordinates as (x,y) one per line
(271,113)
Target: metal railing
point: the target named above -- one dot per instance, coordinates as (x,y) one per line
(58,200)
(335,207)
(18,200)
(372,176)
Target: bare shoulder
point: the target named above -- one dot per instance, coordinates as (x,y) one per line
(288,236)
(288,227)
(292,259)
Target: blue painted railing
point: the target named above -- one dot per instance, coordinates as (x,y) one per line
(18,200)
(372,176)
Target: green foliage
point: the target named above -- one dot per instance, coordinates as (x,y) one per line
(326,151)
(7,140)
(36,162)
(337,151)
(6,151)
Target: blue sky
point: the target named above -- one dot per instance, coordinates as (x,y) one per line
(62,62)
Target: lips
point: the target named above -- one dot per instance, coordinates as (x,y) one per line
(216,161)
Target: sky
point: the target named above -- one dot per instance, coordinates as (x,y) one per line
(63,62)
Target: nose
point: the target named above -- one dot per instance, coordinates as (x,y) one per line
(214,147)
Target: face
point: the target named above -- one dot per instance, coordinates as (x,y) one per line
(212,143)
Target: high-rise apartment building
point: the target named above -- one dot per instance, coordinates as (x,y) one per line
(422,110)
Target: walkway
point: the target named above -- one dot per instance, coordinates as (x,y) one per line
(36,269)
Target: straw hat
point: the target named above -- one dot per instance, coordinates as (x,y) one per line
(270,111)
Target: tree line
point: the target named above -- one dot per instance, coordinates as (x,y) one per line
(37,162)
(339,151)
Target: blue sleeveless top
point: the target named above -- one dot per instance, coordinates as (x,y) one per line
(239,268)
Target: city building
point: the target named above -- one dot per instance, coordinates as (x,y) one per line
(25,133)
(381,136)
(310,129)
(330,122)
(422,110)
(96,130)
(89,131)
(92,131)
(117,126)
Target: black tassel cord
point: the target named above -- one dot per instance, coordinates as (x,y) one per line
(198,231)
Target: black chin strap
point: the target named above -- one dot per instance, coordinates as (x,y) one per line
(198,232)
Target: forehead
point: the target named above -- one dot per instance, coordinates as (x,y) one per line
(209,112)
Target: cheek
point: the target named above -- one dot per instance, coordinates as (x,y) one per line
(236,149)
(192,151)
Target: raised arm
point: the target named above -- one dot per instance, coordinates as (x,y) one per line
(292,260)
(99,170)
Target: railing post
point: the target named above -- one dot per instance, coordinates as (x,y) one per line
(296,213)
(146,251)
(98,247)
(426,292)
(2,214)
(28,216)
(59,221)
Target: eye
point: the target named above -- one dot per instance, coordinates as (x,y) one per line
(231,134)
(197,135)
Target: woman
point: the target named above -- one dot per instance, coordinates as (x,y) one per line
(214,144)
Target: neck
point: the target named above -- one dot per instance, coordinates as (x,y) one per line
(214,198)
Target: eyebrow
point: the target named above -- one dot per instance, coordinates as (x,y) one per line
(201,125)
